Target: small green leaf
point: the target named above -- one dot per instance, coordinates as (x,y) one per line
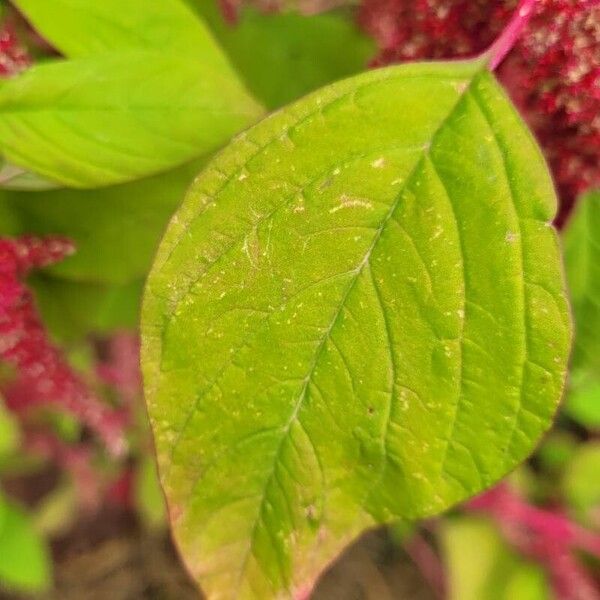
(581,484)
(9,431)
(58,510)
(116,231)
(582,258)
(149,496)
(102,120)
(481,566)
(556,451)
(357,315)
(88,27)
(283,56)
(25,564)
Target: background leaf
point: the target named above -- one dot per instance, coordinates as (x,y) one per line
(71,309)
(88,27)
(116,229)
(581,485)
(582,259)
(282,56)
(357,315)
(25,564)
(9,433)
(102,120)
(480,565)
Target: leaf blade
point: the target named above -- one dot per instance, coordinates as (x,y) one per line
(104,120)
(341,358)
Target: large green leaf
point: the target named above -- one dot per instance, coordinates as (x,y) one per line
(583,399)
(89,27)
(357,315)
(283,56)
(116,231)
(9,432)
(101,120)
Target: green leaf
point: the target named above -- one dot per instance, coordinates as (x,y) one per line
(583,399)
(9,431)
(116,229)
(72,310)
(581,484)
(556,452)
(357,315)
(149,497)
(582,258)
(102,120)
(25,564)
(480,565)
(89,27)
(283,56)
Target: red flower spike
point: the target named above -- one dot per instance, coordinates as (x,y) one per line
(42,375)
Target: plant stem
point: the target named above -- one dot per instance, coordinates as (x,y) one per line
(498,51)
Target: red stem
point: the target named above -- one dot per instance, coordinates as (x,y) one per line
(511,34)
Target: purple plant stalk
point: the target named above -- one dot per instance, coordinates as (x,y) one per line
(548,537)
(500,49)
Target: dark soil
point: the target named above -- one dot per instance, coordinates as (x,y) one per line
(111,556)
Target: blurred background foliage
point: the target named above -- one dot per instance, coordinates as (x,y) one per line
(63,497)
